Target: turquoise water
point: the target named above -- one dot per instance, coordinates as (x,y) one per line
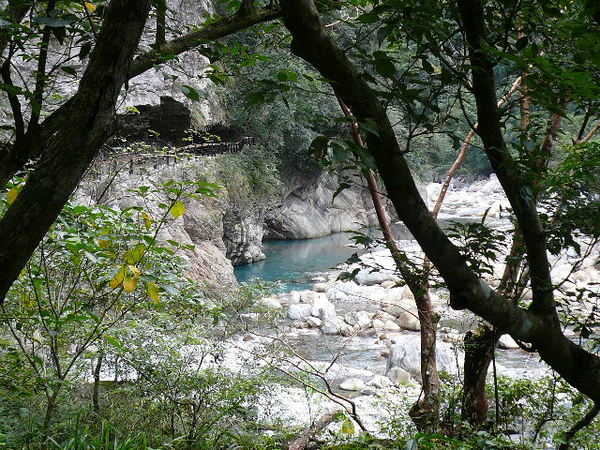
(293,263)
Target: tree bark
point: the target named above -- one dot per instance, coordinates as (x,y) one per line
(302,440)
(539,325)
(90,118)
(479,348)
(426,411)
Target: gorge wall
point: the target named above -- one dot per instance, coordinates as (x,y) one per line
(228,230)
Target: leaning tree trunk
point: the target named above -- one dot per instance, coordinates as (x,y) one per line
(90,119)
(539,324)
(426,410)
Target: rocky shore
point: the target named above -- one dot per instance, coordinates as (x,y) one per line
(369,327)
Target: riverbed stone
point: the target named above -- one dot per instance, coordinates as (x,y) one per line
(332,323)
(294,298)
(353,384)
(391,325)
(382,315)
(379,382)
(314,322)
(378,324)
(360,319)
(394,294)
(399,376)
(322,306)
(506,342)
(320,287)
(405,352)
(397,308)
(408,321)
(368,391)
(388,284)
(270,302)
(308,296)
(300,311)
(371,277)
(369,332)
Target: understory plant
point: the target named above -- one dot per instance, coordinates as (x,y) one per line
(104,341)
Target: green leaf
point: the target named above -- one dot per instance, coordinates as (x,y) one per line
(135,255)
(113,341)
(69,70)
(12,195)
(117,279)
(178,209)
(152,289)
(129,284)
(385,68)
(190,92)
(348,427)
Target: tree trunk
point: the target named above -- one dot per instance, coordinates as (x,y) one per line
(90,118)
(539,325)
(479,349)
(302,440)
(426,411)
(96,389)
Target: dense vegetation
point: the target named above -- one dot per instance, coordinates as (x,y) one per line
(105,341)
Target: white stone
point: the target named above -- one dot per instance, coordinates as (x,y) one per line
(391,325)
(379,382)
(379,324)
(396,309)
(394,294)
(359,319)
(369,391)
(581,276)
(388,284)
(300,311)
(308,296)
(371,277)
(294,298)
(270,302)
(314,322)
(405,353)
(507,342)
(407,294)
(320,287)
(399,376)
(322,306)
(560,272)
(353,384)
(408,321)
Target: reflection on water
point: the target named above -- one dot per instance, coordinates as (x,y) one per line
(294,262)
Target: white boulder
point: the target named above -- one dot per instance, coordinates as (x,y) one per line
(353,384)
(405,353)
(409,321)
(301,311)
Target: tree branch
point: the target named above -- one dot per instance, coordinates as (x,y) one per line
(520,193)
(223,27)
(90,116)
(312,43)
(13,159)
